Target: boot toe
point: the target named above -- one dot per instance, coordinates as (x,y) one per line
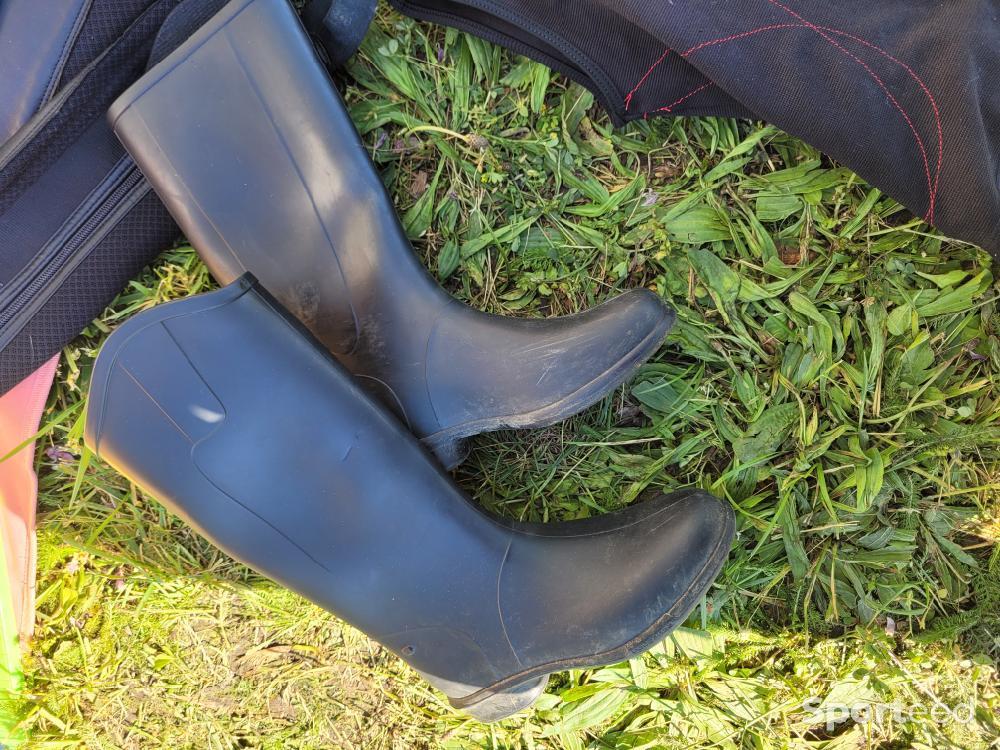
(487,372)
(606,589)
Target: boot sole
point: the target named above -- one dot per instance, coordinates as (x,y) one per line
(451,446)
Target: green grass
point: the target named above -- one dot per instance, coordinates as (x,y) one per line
(834,374)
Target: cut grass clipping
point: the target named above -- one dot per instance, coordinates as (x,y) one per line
(834,374)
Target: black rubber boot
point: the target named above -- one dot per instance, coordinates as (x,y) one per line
(339,26)
(228,411)
(245,139)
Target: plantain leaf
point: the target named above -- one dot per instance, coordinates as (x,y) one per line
(767,433)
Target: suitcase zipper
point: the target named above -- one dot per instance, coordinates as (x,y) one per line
(53,258)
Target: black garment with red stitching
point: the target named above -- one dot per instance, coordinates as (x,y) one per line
(904,92)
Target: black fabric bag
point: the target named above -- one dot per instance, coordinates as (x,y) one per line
(77,219)
(904,92)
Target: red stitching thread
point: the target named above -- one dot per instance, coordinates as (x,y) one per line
(866,43)
(628,98)
(859,40)
(932,186)
(684,98)
(920,82)
(655,65)
(929,217)
(741,35)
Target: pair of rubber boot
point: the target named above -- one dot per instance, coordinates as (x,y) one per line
(278,417)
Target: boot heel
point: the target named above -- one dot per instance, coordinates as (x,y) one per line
(493,706)
(449,451)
